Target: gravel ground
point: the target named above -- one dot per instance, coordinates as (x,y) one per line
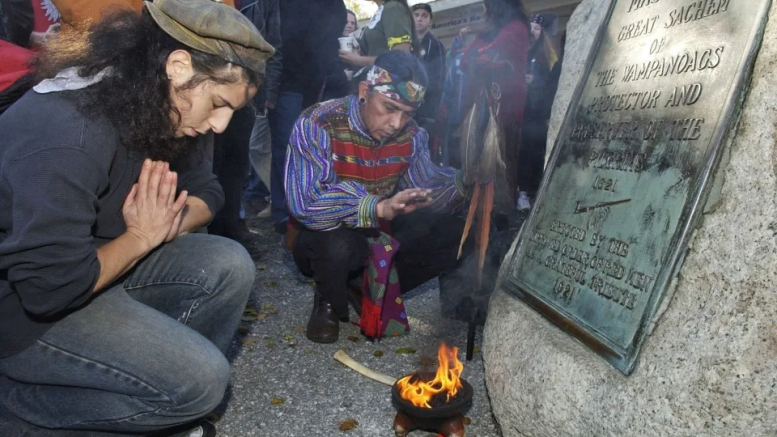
(285,385)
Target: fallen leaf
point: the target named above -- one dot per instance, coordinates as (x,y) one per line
(311,282)
(353,338)
(269,308)
(213,417)
(299,330)
(249,341)
(378,354)
(292,344)
(261,316)
(309,351)
(278,401)
(405,350)
(272,284)
(250,318)
(467,420)
(243,330)
(261,267)
(348,425)
(270,345)
(288,337)
(476,349)
(428,361)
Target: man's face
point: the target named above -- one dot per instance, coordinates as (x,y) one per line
(208,106)
(383,117)
(422,20)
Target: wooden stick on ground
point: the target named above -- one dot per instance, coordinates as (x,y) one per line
(343,357)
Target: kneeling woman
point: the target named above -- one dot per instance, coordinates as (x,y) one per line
(114,316)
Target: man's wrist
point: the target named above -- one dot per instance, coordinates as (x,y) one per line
(369,211)
(140,243)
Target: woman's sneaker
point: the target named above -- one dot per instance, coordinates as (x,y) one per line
(523,201)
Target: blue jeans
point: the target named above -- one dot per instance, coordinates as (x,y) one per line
(260,149)
(282,118)
(142,356)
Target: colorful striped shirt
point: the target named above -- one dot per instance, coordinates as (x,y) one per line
(336,173)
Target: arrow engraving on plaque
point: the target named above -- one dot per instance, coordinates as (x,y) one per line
(581,209)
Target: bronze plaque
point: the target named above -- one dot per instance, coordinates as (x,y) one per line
(631,167)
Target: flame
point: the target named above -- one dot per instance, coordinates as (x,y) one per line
(420,393)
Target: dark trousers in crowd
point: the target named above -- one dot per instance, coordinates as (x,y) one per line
(428,246)
(287,109)
(531,157)
(144,355)
(231,166)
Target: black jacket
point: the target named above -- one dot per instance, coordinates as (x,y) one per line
(311,51)
(432,53)
(63,181)
(266,16)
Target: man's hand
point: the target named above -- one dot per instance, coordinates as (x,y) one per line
(268,104)
(151,211)
(353,58)
(404,202)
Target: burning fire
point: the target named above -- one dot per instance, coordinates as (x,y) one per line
(447,380)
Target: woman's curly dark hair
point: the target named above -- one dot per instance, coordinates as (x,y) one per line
(136,96)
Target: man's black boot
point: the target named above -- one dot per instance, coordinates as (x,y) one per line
(324,325)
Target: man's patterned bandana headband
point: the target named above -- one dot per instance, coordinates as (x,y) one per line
(409,93)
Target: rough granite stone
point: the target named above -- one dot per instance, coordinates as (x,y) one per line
(581,30)
(710,366)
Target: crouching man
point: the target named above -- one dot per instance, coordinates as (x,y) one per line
(114,317)
(355,169)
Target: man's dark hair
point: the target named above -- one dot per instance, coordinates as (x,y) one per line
(135,97)
(424,6)
(403,65)
(501,12)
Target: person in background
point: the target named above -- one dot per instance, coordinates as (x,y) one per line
(531,160)
(432,55)
(391,28)
(351,24)
(357,167)
(309,33)
(114,314)
(232,149)
(266,16)
(497,59)
(350,30)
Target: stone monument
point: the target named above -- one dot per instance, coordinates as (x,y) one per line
(631,306)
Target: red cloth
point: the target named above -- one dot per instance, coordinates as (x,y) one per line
(377,169)
(501,61)
(13,63)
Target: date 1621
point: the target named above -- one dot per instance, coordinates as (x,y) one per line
(564,291)
(605,184)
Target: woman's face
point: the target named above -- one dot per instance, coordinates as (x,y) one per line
(536,30)
(350,24)
(209,105)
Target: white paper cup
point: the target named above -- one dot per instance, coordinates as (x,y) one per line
(346,43)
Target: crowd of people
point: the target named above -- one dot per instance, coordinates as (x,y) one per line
(133,133)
